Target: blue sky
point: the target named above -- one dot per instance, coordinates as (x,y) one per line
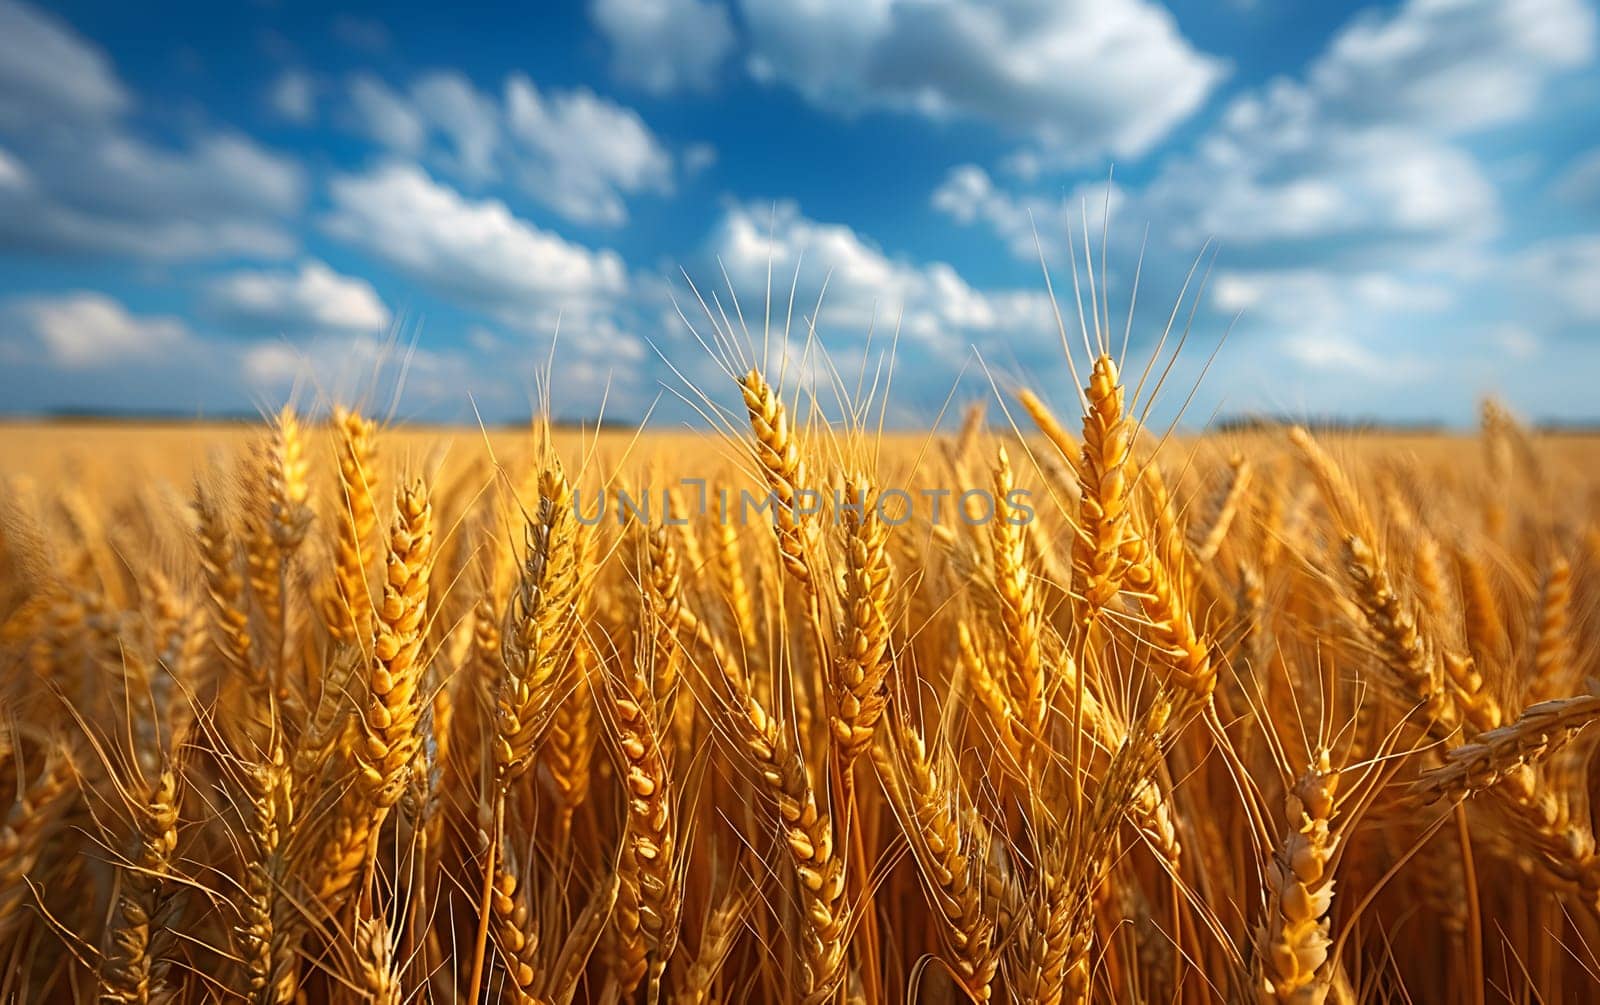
(206,208)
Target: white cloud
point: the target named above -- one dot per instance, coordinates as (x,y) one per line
(90,185)
(1300,329)
(1024,222)
(581,153)
(1355,162)
(106,192)
(1338,354)
(931,301)
(1296,294)
(473,251)
(48,73)
(1566,270)
(293,97)
(12,174)
(87,350)
(1359,151)
(664,46)
(576,152)
(83,329)
(1452,64)
(315,298)
(220,172)
(471,121)
(340,367)
(1272,176)
(384,116)
(1087,75)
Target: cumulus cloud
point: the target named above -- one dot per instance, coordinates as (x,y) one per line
(1295,294)
(665,46)
(930,301)
(90,350)
(383,115)
(48,73)
(1355,162)
(93,186)
(343,368)
(85,329)
(1298,326)
(111,193)
(470,121)
(1566,271)
(1026,223)
(1082,75)
(314,298)
(1358,154)
(583,152)
(1269,185)
(574,151)
(440,113)
(1456,65)
(475,252)
(1273,178)
(698,157)
(13,175)
(1328,351)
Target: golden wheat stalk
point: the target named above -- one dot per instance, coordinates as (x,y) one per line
(348,611)
(859,682)
(778,457)
(389,739)
(1099,554)
(825,913)
(1292,944)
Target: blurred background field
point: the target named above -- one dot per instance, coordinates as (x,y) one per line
(178,451)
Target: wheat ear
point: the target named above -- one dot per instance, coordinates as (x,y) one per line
(348,612)
(809,836)
(1224,508)
(1098,549)
(287,487)
(30,821)
(778,455)
(1535,735)
(1170,623)
(861,669)
(950,858)
(377,978)
(1553,651)
(128,970)
(1048,424)
(539,631)
(267,931)
(717,937)
(1292,945)
(390,739)
(651,881)
(516,934)
(1019,608)
(230,617)
(1392,628)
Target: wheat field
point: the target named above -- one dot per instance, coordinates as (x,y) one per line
(330,710)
